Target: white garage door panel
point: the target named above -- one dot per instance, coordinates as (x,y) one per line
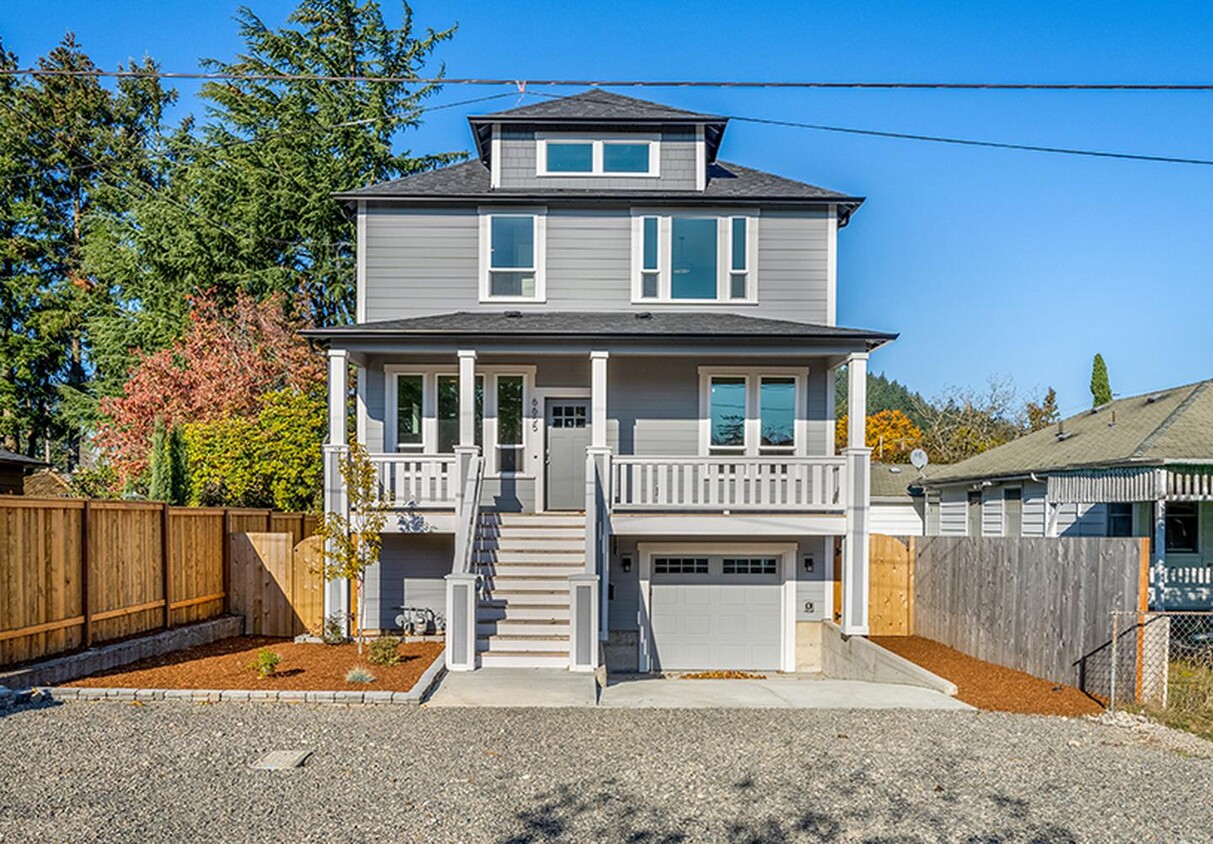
(716,625)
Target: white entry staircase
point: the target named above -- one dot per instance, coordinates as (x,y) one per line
(522,620)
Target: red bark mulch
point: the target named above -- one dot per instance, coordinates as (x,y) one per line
(989,686)
(304,667)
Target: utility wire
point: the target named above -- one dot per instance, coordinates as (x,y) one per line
(620,83)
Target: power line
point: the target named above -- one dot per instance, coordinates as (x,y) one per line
(907,136)
(521,84)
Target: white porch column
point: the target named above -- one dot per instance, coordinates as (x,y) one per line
(597,506)
(1158,561)
(598,393)
(467,421)
(858,467)
(336,592)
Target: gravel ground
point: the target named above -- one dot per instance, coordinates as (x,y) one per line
(168,770)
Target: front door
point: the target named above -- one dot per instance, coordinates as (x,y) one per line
(568,438)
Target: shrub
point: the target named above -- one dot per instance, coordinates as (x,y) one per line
(385,651)
(358,674)
(333,633)
(265,663)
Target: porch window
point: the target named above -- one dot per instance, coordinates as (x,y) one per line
(1182,525)
(409,394)
(727,402)
(777,414)
(1120,519)
(512,268)
(509,423)
(448,412)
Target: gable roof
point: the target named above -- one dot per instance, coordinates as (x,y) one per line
(14,459)
(609,324)
(1175,424)
(470,181)
(597,107)
(893,480)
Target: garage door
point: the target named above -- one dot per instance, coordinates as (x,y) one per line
(715,613)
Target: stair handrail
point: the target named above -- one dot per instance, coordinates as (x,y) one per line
(469,513)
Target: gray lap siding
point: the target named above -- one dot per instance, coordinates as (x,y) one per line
(410,573)
(421,262)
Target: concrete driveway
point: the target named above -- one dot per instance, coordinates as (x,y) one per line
(540,687)
(781,692)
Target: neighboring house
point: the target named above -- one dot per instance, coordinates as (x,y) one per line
(47,483)
(1138,466)
(898,503)
(595,371)
(13,469)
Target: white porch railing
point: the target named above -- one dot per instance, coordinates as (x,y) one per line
(1184,587)
(417,480)
(727,483)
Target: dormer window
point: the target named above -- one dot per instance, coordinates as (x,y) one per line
(574,155)
(693,257)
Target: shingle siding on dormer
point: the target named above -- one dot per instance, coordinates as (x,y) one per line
(519,165)
(422,261)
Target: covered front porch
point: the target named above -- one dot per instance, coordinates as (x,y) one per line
(1172,503)
(659,438)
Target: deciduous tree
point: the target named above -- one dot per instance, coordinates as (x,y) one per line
(889,433)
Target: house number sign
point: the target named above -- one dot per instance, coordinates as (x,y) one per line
(534,414)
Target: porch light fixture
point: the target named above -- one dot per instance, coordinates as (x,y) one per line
(625,563)
(808,563)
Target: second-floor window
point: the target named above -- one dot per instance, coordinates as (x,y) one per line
(565,155)
(512,256)
(688,258)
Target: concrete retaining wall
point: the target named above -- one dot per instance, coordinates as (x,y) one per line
(55,671)
(856,658)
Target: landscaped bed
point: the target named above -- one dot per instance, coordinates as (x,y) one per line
(989,686)
(230,664)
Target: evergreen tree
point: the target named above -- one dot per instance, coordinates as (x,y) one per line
(179,486)
(1101,389)
(161,486)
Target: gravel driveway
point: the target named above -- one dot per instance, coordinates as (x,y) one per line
(116,771)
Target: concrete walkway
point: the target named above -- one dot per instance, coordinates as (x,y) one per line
(548,687)
(807,692)
(545,687)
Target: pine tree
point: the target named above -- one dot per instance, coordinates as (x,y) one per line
(161,487)
(1101,389)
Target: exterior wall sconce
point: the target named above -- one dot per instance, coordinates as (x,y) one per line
(808,563)
(625,563)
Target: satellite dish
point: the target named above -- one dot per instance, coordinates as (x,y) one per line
(918,459)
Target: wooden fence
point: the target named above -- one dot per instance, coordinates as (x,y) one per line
(74,572)
(1039,605)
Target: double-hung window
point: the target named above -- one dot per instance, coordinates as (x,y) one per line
(744,413)
(512,253)
(569,155)
(693,258)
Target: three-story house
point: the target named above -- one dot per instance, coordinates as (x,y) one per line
(595,371)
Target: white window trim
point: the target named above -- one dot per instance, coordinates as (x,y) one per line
(597,142)
(787,552)
(540,231)
(753,423)
(724,255)
(429,412)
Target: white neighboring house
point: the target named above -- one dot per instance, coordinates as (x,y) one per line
(1137,466)
(898,501)
(595,372)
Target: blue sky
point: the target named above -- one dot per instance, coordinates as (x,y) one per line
(987,262)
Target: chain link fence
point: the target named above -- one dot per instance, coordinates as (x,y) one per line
(1162,661)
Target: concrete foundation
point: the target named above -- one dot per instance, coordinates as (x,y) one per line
(53,672)
(856,658)
(808,646)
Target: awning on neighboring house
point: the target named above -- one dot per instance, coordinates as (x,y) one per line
(1175,482)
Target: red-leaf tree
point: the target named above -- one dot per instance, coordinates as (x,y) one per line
(227,359)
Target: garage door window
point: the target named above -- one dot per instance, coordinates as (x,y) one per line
(750,565)
(680,565)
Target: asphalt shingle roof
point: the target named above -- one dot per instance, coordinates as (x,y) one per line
(471,180)
(893,480)
(597,104)
(599,324)
(1171,424)
(11,457)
